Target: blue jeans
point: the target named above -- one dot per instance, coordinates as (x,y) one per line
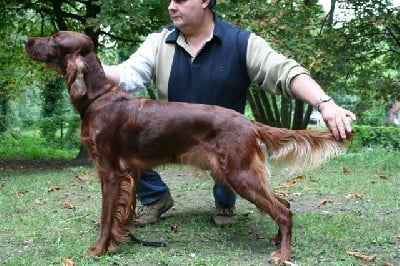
(152,188)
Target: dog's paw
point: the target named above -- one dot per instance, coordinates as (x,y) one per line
(277,257)
(95,251)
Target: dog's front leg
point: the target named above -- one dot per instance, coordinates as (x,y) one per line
(109,193)
(118,191)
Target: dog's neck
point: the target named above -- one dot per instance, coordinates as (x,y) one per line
(95,82)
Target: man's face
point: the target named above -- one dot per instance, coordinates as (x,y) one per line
(187,13)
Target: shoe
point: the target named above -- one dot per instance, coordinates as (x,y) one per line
(148,214)
(224,217)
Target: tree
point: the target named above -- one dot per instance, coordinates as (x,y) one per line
(354,59)
(53,109)
(363,54)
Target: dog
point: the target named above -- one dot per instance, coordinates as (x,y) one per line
(125,135)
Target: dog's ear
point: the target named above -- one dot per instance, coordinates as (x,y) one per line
(68,42)
(75,77)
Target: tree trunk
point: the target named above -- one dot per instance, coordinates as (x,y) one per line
(83,155)
(3,113)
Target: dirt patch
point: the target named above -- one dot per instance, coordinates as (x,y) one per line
(26,164)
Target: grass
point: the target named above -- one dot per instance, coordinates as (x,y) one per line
(30,144)
(351,203)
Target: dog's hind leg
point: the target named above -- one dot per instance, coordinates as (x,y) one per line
(251,184)
(278,238)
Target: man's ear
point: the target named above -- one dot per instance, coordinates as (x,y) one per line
(205,3)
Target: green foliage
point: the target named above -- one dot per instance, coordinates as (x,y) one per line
(371,115)
(356,57)
(126,23)
(53,109)
(32,145)
(361,54)
(373,137)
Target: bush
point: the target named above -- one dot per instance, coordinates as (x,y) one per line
(370,137)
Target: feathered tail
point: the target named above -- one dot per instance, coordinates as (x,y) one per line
(298,150)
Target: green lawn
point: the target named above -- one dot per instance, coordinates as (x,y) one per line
(350,204)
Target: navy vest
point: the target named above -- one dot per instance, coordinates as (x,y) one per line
(218,75)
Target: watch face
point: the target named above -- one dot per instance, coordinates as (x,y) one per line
(325,99)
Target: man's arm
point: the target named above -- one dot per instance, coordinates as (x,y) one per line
(137,70)
(336,118)
(112,74)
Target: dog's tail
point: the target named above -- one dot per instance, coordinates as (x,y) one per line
(298,150)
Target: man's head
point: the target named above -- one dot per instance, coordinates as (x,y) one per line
(191,15)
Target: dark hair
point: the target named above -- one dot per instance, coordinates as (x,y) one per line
(212,4)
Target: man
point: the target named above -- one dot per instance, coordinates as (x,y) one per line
(393,112)
(202,59)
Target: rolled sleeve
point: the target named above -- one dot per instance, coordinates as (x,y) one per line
(272,71)
(138,70)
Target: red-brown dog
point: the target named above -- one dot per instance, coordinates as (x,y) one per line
(125,134)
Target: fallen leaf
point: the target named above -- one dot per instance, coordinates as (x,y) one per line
(288,263)
(282,192)
(21,192)
(67,204)
(290,183)
(174,228)
(96,224)
(363,256)
(329,214)
(80,178)
(69,262)
(353,196)
(53,188)
(383,177)
(346,170)
(248,212)
(325,201)
(39,202)
(26,242)
(298,177)
(387,264)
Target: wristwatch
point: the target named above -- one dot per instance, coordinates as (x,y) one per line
(323,99)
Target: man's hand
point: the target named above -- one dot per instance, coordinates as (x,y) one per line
(337,119)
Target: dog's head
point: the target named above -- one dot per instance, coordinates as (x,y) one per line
(57,49)
(64,52)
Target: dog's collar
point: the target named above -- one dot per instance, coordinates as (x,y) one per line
(88,104)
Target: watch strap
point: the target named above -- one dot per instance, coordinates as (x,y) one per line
(323,99)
